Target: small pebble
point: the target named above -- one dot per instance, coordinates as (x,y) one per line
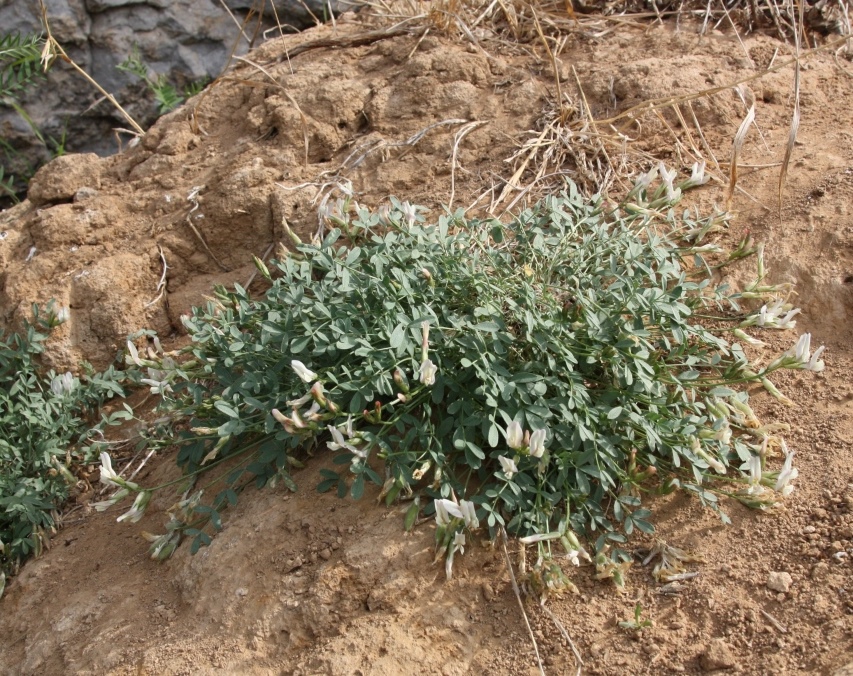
(779,582)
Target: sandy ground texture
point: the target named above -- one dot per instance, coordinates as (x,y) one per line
(303,583)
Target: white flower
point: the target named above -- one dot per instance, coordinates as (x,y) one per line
(108,476)
(508,466)
(281,418)
(469,514)
(303,371)
(452,508)
(667,176)
(713,462)
(111,478)
(428,371)
(409,213)
(63,384)
(707,248)
(724,434)
(459,542)
(802,357)
(313,413)
(815,363)
(539,537)
(537,443)
(133,356)
(573,555)
(338,440)
(62,315)
(136,511)
(787,321)
(645,180)
(768,317)
(157,386)
(424,341)
(788,473)
(697,178)
(304,399)
(442,518)
(755,487)
(298,422)
(118,496)
(445,510)
(746,338)
(514,435)
(574,549)
(802,350)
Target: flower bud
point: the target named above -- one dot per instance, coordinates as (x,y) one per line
(400,381)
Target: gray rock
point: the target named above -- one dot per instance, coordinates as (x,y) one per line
(298,14)
(183,40)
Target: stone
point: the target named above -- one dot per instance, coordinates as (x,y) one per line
(297,14)
(717,655)
(85,193)
(846,670)
(819,571)
(779,582)
(60,179)
(183,41)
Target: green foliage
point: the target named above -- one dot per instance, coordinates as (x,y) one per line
(636,624)
(164,92)
(7,185)
(20,57)
(552,371)
(47,428)
(20,67)
(196,87)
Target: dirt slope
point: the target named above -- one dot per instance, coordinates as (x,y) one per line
(306,583)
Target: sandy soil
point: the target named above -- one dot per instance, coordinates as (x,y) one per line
(308,584)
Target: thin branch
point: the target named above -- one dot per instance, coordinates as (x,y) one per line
(161,285)
(520,602)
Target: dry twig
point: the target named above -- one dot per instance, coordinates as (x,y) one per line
(520,602)
(457,139)
(161,285)
(193,198)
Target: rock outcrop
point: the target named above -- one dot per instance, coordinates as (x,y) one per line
(184,40)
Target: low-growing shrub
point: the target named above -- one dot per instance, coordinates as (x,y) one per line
(541,376)
(47,429)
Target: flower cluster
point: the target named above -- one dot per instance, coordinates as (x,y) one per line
(667,192)
(451,517)
(111,478)
(801,357)
(525,442)
(303,422)
(772,317)
(64,385)
(756,494)
(162,370)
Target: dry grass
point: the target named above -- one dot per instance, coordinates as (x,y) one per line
(597,153)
